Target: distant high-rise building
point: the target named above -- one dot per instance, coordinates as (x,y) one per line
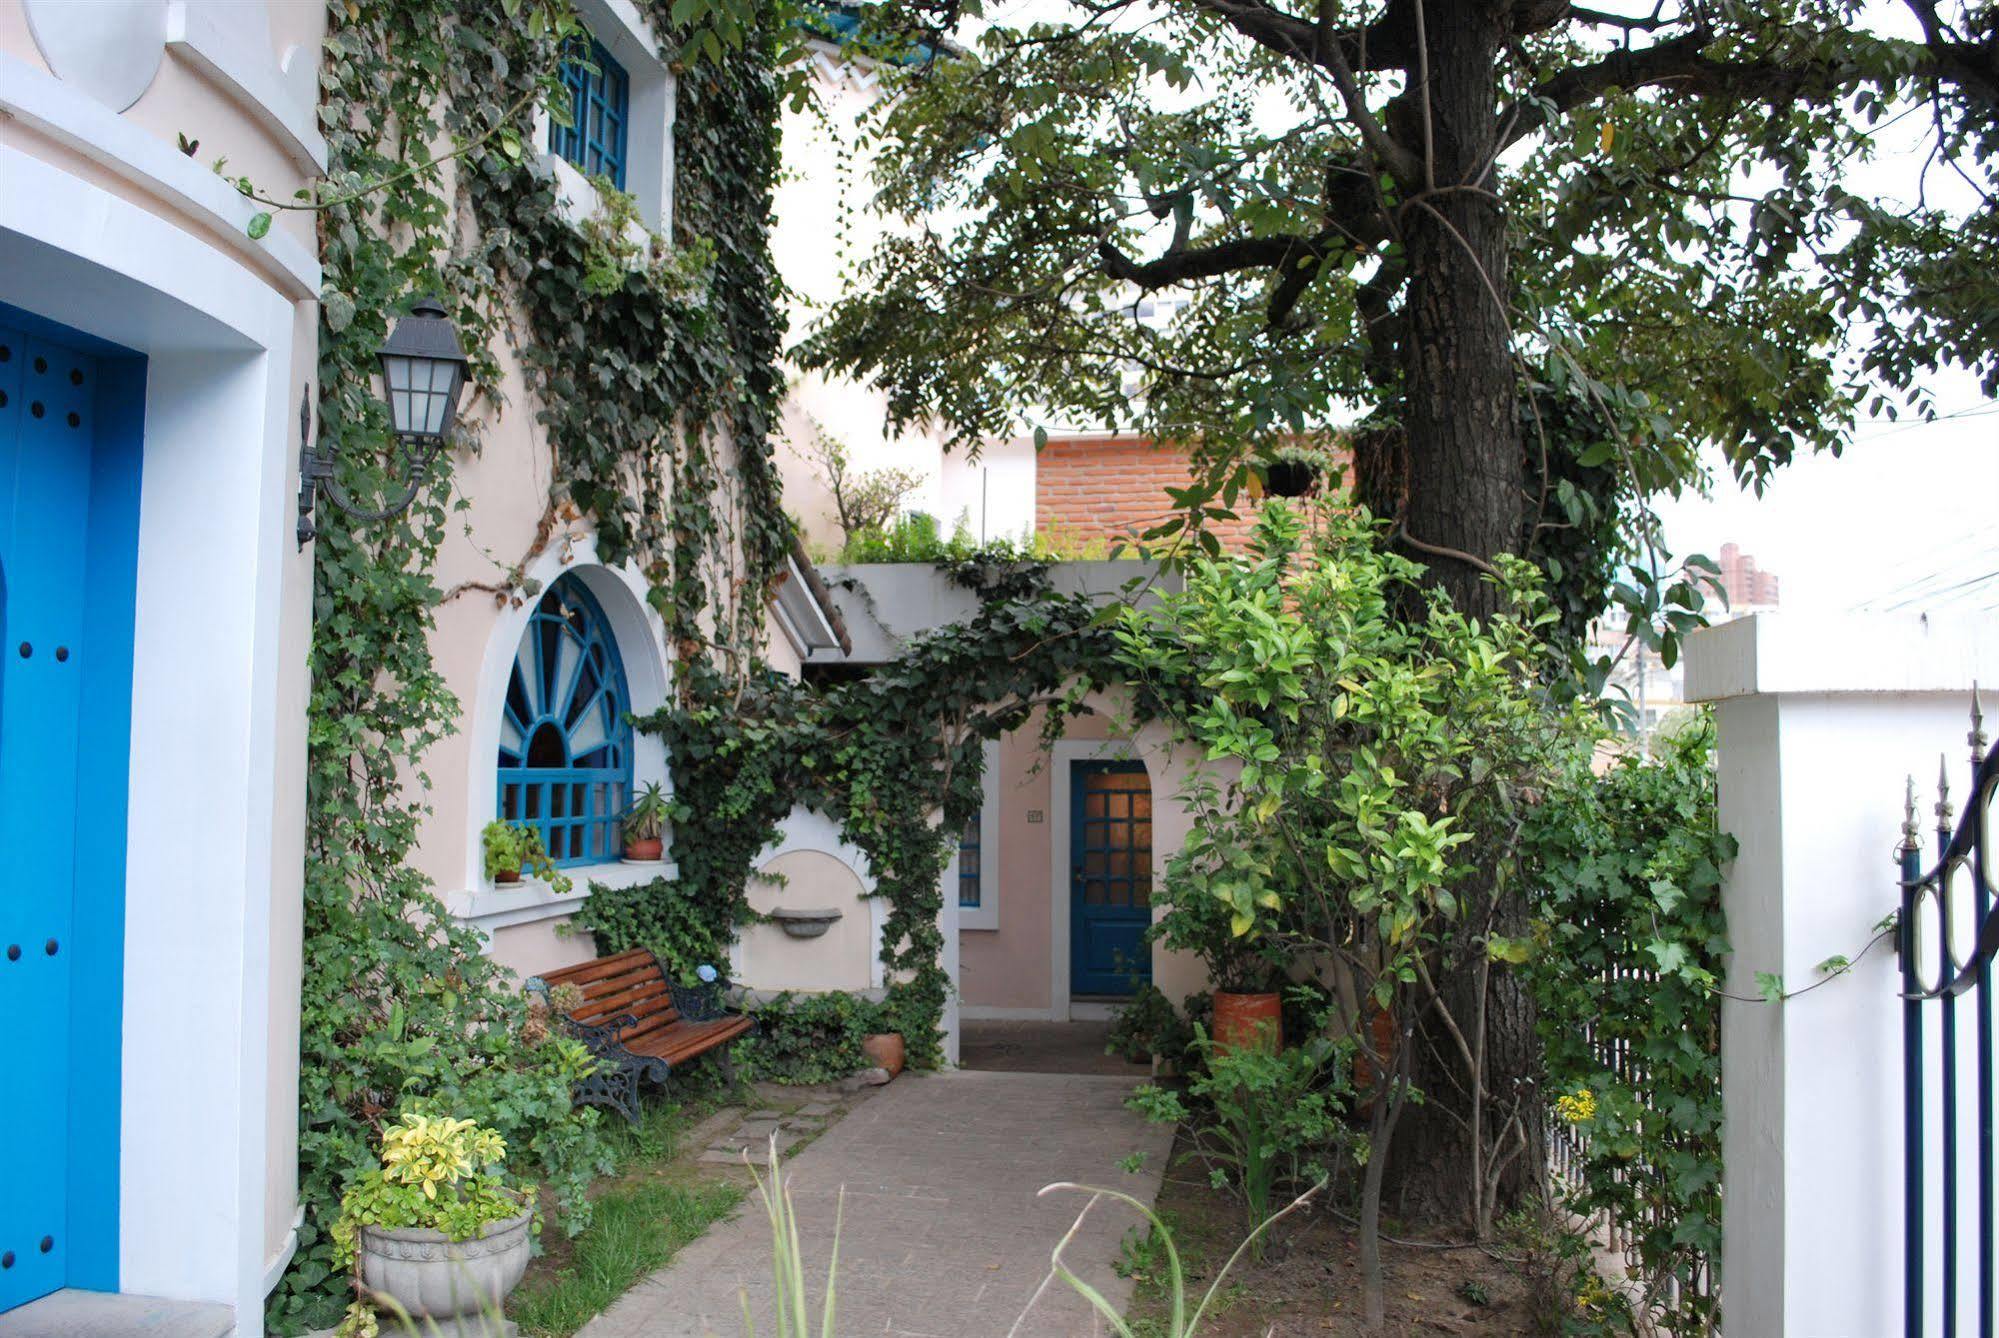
(1748,586)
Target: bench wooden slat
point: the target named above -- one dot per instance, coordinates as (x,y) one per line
(596,969)
(641,999)
(691,1038)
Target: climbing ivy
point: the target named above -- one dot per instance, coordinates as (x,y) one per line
(893,757)
(645,363)
(1628,948)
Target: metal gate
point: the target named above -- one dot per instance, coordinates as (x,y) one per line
(1947,937)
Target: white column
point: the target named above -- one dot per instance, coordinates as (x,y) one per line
(1821,721)
(947,925)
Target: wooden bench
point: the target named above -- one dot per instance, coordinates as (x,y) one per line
(638,1023)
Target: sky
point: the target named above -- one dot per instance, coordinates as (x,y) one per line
(1906,511)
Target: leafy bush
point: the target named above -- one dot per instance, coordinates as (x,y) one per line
(915,537)
(660,915)
(444,1174)
(1148,1026)
(1268,1120)
(1628,946)
(1375,753)
(809,1038)
(1195,920)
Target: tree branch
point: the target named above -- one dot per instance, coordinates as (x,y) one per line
(1387,40)
(1208,262)
(1676,64)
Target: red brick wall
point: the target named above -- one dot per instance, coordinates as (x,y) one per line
(1091,489)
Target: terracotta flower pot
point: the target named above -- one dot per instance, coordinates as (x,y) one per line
(447,1287)
(1248,1019)
(506,877)
(884,1050)
(647,850)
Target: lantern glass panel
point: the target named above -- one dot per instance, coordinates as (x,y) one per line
(421,391)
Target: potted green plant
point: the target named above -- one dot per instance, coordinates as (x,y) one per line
(437,1234)
(1299,471)
(513,848)
(643,825)
(1148,1030)
(1244,969)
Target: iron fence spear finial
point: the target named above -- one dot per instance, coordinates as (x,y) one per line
(1977,735)
(1943,797)
(1911,832)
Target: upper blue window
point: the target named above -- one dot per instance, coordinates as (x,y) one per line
(565,745)
(600,103)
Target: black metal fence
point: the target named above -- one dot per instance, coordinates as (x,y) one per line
(1948,937)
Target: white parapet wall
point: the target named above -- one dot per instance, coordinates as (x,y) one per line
(1822,721)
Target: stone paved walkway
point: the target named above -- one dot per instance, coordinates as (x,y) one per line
(943,1233)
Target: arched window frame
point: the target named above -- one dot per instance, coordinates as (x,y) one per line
(567,684)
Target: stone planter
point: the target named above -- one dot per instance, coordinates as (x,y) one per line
(448,1288)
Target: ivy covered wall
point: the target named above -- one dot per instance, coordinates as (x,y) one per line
(623,392)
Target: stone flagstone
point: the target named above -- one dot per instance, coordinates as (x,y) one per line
(944,1235)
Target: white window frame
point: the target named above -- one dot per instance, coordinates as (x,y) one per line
(984,916)
(640,635)
(653,94)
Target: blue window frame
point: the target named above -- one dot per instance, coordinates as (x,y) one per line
(565,746)
(968,864)
(600,103)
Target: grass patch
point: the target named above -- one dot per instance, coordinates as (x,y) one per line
(644,1211)
(637,1229)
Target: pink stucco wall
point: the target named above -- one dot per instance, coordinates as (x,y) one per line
(1014,968)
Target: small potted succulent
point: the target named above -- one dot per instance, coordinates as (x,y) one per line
(437,1234)
(513,848)
(643,825)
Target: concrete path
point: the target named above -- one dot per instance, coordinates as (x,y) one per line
(1043,1047)
(943,1233)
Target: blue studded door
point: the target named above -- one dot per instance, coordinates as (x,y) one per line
(68,525)
(1110,877)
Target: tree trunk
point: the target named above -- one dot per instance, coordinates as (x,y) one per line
(1453,481)
(1434,1176)
(1460,484)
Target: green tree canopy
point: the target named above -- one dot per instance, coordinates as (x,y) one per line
(1543,253)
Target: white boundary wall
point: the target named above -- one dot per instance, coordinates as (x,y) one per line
(1821,720)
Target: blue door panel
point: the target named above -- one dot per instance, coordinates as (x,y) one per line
(1110,877)
(68,526)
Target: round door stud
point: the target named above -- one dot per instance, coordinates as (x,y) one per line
(50,947)
(48,1243)
(62,654)
(13,952)
(7,1259)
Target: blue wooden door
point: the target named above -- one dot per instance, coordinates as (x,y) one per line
(1110,877)
(68,516)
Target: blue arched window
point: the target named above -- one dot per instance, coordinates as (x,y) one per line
(565,747)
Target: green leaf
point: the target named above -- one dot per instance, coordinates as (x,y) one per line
(260,224)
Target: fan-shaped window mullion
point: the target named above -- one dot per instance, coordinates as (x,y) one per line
(565,750)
